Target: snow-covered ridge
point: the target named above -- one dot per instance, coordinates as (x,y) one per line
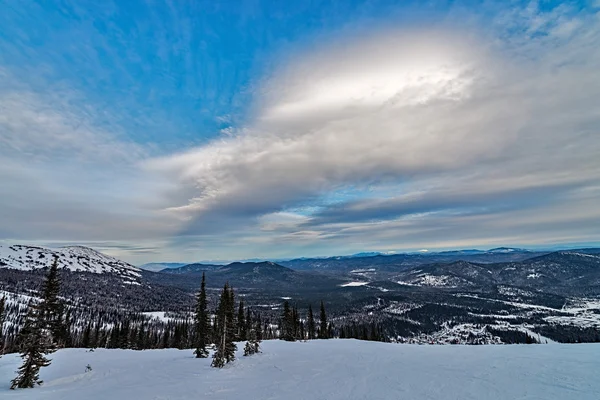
(73,258)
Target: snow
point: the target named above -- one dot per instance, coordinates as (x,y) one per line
(354,284)
(158,315)
(431,280)
(333,370)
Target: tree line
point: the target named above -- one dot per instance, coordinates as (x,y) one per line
(48,324)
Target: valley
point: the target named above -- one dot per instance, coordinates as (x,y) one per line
(500,296)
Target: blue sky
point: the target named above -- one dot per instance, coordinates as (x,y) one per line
(191,130)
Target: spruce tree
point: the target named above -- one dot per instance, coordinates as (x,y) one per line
(2,306)
(230,346)
(311,323)
(52,308)
(323,332)
(248,323)
(201,323)
(35,343)
(253,344)
(225,348)
(287,323)
(241,322)
(259,329)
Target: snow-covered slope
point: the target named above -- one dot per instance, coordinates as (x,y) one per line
(74,258)
(333,370)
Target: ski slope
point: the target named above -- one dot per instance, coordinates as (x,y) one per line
(334,369)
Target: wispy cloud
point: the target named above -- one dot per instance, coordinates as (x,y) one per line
(491,127)
(476,131)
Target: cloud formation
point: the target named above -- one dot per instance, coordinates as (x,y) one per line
(429,131)
(467,132)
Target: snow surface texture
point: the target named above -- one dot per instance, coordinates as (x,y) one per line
(333,369)
(74,258)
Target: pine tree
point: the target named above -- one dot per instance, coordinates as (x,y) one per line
(248,323)
(230,346)
(2,305)
(225,348)
(311,323)
(259,329)
(201,323)
(52,308)
(287,323)
(35,343)
(323,331)
(253,344)
(241,322)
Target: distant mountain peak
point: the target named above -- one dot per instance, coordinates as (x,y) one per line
(73,258)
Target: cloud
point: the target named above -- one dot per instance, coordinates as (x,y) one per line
(439,120)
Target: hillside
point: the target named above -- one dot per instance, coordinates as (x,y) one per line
(73,258)
(264,275)
(333,370)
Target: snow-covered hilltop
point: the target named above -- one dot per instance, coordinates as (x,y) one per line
(74,258)
(321,369)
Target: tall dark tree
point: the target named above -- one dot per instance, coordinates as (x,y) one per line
(252,345)
(226,330)
(311,323)
(259,329)
(201,322)
(287,323)
(35,343)
(52,307)
(2,306)
(248,322)
(323,331)
(241,322)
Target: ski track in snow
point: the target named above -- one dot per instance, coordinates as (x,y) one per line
(334,369)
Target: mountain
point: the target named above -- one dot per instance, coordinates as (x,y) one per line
(265,275)
(564,272)
(397,262)
(507,250)
(73,258)
(189,268)
(158,266)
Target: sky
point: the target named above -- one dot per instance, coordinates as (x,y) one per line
(219,130)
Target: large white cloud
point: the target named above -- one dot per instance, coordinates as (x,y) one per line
(452,121)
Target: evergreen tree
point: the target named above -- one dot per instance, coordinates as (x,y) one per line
(52,308)
(259,330)
(225,348)
(2,305)
(201,323)
(248,322)
(287,323)
(323,332)
(230,346)
(35,343)
(241,322)
(252,345)
(311,323)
